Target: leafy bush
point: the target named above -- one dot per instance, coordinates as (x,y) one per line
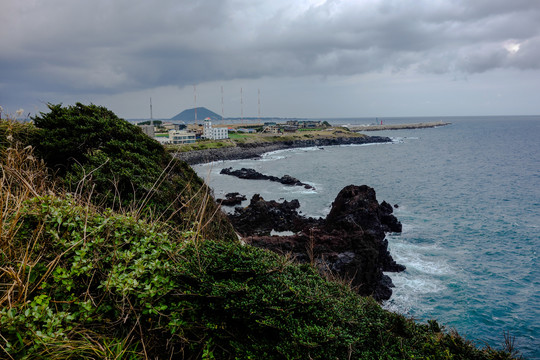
(77,282)
(77,140)
(118,166)
(99,281)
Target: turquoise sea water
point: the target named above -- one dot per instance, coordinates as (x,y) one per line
(469,200)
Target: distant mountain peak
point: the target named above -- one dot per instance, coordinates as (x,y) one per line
(202,113)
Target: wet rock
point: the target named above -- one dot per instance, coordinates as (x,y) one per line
(231,199)
(252,174)
(350,243)
(261,217)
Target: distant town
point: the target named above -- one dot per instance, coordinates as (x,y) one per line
(186,128)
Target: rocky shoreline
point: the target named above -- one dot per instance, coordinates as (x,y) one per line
(252,174)
(349,244)
(254,150)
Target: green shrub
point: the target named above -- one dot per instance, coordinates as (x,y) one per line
(112,161)
(108,281)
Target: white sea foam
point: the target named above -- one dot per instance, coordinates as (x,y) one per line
(419,258)
(284,153)
(418,263)
(272,158)
(450,184)
(281,233)
(298,190)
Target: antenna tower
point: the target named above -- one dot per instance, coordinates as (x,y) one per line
(222,112)
(151,117)
(241,106)
(259,103)
(195,102)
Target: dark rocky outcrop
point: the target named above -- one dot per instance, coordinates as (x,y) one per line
(261,217)
(349,243)
(254,150)
(253,174)
(231,199)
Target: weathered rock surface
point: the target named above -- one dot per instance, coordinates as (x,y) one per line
(254,150)
(349,243)
(231,199)
(261,217)
(253,174)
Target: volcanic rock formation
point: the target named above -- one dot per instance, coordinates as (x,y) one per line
(253,174)
(350,243)
(231,199)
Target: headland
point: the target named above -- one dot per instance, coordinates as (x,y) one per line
(423,125)
(248,146)
(247,150)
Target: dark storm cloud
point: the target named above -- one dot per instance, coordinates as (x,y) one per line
(110,46)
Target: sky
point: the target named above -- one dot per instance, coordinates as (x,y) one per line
(273,58)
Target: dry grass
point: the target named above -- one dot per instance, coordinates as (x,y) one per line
(22,176)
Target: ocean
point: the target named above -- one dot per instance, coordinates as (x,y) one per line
(468,196)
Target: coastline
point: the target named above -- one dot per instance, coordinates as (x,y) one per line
(396,126)
(254,150)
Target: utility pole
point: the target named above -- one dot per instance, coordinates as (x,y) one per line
(222,112)
(259,103)
(151,116)
(195,102)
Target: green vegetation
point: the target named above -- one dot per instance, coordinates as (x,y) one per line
(241,138)
(96,281)
(80,280)
(200,145)
(100,156)
(236,136)
(311,129)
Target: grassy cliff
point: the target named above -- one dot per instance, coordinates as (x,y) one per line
(92,279)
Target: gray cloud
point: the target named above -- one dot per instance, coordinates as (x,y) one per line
(107,46)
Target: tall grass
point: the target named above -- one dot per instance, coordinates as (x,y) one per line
(22,176)
(77,282)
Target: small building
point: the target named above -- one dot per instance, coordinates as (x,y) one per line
(270,129)
(172,126)
(310,124)
(214,133)
(182,137)
(289,128)
(148,130)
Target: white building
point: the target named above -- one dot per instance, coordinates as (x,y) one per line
(181,137)
(214,133)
